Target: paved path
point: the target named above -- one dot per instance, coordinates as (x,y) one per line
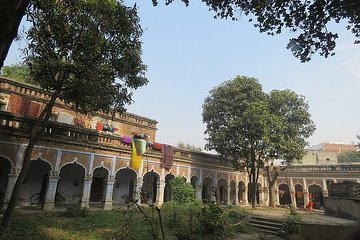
(315,216)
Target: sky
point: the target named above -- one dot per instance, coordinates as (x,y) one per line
(188,53)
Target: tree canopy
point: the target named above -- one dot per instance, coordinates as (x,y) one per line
(182,191)
(309,19)
(19,72)
(86,53)
(189,147)
(248,126)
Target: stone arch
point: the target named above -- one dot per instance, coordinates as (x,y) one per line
(5,170)
(194,181)
(299,195)
(207,193)
(44,160)
(71,182)
(284,194)
(232,192)
(73,162)
(99,167)
(316,195)
(149,187)
(34,186)
(259,191)
(222,191)
(100,175)
(241,192)
(124,187)
(167,188)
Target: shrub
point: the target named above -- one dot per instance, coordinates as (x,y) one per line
(182,191)
(212,221)
(293,224)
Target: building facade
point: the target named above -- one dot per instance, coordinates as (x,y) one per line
(87,161)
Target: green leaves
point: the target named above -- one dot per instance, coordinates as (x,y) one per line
(309,19)
(89,52)
(243,122)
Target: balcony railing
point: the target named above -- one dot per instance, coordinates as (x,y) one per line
(19,125)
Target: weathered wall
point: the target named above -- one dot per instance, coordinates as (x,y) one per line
(342,207)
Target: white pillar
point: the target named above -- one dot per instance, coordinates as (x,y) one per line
(160,193)
(9,189)
(228,194)
(198,191)
(49,203)
(214,196)
(236,193)
(325,189)
(292,192)
(306,193)
(86,192)
(107,204)
(138,186)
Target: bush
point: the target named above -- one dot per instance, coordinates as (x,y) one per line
(73,212)
(293,224)
(182,191)
(212,221)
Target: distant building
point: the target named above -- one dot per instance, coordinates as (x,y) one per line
(337,147)
(316,157)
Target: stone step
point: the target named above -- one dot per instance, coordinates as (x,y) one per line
(271,226)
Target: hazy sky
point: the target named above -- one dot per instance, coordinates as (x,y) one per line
(188,53)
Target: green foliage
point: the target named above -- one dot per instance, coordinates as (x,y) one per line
(126,226)
(19,72)
(189,147)
(212,221)
(349,157)
(88,53)
(74,212)
(255,126)
(182,191)
(293,224)
(309,19)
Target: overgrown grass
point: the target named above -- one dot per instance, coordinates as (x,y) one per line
(181,222)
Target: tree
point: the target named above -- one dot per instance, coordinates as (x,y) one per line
(189,147)
(11,14)
(254,127)
(182,191)
(349,157)
(19,72)
(86,53)
(309,19)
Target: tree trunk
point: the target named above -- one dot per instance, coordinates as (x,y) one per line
(272,195)
(11,14)
(36,133)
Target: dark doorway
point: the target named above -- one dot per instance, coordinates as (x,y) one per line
(96,189)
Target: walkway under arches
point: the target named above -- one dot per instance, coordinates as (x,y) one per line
(34,186)
(124,189)
(71,183)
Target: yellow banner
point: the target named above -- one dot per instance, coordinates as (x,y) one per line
(135,159)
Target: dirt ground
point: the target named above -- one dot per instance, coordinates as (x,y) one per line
(314,217)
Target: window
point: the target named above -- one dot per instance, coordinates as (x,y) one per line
(328,159)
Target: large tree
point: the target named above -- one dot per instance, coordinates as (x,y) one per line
(84,52)
(310,19)
(251,128)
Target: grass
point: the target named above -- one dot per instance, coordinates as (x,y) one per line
(93,225)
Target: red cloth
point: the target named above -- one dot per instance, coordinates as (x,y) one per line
(157,146)
(33,110)
(168,156)
(99,126)
(15,103)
